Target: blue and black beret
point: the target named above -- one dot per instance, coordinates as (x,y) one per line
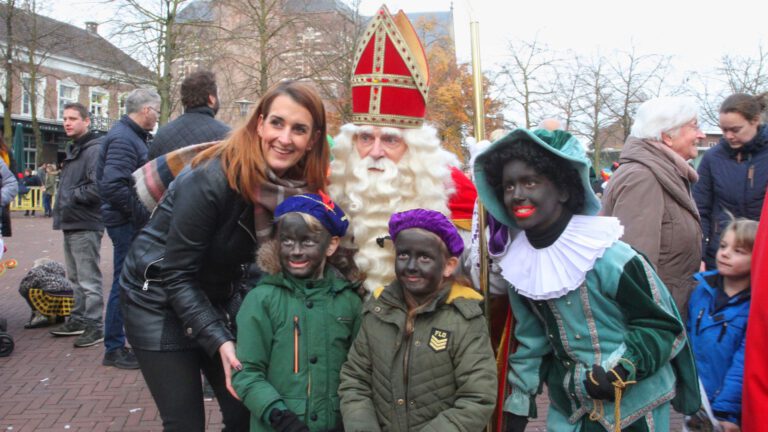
(321,207)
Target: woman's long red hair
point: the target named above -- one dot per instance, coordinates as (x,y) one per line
(241,154)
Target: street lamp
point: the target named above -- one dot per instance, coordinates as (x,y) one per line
(244,105)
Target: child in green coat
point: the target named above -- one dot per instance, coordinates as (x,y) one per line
(422,361)
(296,326)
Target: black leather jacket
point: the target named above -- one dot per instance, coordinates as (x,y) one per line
(186,263)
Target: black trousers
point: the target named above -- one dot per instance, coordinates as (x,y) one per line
(173,378)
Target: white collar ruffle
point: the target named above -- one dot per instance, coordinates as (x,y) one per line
(553,271)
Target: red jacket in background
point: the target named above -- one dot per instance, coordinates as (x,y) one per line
(755,393)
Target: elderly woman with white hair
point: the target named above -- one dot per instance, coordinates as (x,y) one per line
(650,192)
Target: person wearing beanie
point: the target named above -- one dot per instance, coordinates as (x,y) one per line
(296,325)
(593,320)
(422,359)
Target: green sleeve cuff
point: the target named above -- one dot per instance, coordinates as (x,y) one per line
(629,366)
(521,404)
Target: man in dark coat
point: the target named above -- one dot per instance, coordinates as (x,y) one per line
(197,125)
(122,152)
(77,214)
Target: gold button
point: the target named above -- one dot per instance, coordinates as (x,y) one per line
(417,343)
(401,402)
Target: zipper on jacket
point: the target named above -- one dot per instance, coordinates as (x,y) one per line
(698,321)
(751,176)
(296,334)
(146,279)
(722,331)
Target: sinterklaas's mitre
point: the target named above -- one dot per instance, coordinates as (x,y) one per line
(390,81)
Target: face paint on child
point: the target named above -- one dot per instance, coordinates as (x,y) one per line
(531,198)
(419,262)
(302,251)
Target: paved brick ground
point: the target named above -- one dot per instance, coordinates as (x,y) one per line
(48,385)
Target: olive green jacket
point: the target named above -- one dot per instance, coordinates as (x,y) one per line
(293,336)
(442,378)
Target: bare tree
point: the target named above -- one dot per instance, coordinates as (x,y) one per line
(8,52)
(149,31)
(595,116)
(263,43)
(37,39)
(565,102)
(526,79)
(735,74)
(331,65)
(635,78)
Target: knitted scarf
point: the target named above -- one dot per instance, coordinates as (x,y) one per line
(152,180)
(266,198)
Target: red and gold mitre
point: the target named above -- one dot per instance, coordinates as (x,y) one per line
(390,80)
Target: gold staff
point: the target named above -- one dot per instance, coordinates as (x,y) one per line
(477,86)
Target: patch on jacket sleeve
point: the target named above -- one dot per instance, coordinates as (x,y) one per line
(438,339)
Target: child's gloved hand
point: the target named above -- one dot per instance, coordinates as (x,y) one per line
(286,421)
(599,383)
(514,423)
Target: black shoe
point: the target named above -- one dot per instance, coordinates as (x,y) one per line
(122,358)
(69,328)
(90,337)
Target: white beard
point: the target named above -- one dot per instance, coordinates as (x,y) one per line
(370,198)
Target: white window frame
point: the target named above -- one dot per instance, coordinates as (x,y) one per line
(26,108)
(121,99)
(103,107)
(61,101)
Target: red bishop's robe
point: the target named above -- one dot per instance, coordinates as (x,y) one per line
(755,396)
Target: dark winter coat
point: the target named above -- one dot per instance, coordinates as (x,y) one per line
(442,378)
(293,337)
(730,180)
(196,126)
(718,337)
(122,152)
(77,205)
(187,262)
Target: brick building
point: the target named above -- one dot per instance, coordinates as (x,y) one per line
(315,40)
(71,65)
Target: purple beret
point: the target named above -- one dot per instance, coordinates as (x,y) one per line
(429,220)
(330,215)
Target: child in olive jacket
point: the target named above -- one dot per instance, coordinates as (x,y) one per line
(422,360)
(296,326)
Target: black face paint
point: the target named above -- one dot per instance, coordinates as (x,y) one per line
(419,262)
(302,251)
(531,198)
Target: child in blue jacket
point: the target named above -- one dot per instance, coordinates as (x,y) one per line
(717,322)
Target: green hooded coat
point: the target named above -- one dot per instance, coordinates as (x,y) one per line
(293,336)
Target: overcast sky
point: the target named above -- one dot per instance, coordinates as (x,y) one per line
(696,33)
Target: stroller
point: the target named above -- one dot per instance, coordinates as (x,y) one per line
(6,341)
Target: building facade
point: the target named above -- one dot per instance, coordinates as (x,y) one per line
(69,64)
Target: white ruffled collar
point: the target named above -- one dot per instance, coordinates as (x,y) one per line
(552,272)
